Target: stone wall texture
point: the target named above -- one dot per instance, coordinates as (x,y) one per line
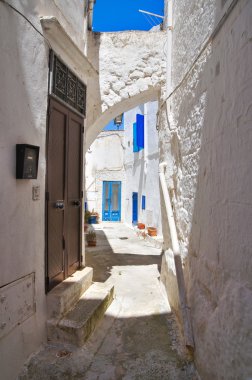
(207,143)
(129,66)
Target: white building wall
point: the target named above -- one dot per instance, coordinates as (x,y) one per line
(207,144)
(104,162)
(111,158)
(23,119)
(141,168)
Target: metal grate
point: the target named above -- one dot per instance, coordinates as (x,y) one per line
(68,87)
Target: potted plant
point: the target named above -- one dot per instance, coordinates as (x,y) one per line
(152,231)
(94,217)
(141,226)
(86,220)
(91,238)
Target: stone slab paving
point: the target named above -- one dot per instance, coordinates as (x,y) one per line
(138,338)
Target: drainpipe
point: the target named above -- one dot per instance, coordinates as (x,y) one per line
(169,27)
(90,13)
(186,318)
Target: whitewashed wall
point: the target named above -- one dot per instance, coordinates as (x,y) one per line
(104,162)
(141,168)
(23,116)
(111,158)
(208,147)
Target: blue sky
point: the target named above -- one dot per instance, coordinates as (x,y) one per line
(117,15)
(112,127)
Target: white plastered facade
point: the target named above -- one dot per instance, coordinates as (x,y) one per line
(111,158)
(141,168)
(104,162)
(24,69)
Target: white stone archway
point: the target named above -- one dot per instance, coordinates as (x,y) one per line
(132,70)
(117,109)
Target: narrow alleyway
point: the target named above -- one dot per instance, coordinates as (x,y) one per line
(137,338)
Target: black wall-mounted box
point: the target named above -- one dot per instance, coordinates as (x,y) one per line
(27,157)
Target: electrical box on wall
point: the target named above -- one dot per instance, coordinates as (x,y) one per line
(27,161)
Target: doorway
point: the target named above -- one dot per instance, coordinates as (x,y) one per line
(134,208)
(111,201)
(64,193)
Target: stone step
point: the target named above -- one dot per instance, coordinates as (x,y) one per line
(77,325)
(65,295)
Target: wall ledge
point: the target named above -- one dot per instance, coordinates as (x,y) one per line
(66,49)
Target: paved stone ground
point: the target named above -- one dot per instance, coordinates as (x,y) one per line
(138,338)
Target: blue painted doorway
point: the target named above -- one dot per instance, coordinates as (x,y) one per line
(111,201)
(134,208)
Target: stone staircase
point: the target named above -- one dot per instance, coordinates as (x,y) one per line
(76,306)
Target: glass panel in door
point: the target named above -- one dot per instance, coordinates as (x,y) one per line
(115,196)
(107,197)
(115,204)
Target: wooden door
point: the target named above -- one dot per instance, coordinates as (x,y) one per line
(64,193)
(74,192)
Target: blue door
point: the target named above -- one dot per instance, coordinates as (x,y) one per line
(111,201)
(134,208)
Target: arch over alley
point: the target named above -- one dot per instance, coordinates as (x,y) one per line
(131,73)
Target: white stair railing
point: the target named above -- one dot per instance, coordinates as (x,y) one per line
(185,311)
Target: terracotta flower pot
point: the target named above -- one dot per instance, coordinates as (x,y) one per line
(91,243)
(152,231)
(141,226)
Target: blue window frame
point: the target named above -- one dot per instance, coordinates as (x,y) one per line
(111,201)
(138,133)
(135,146)
(143,202)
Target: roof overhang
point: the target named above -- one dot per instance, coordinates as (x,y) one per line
(66,49)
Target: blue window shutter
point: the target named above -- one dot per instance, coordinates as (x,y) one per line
(140,131)
(135,146)
(134,208)
(143,202)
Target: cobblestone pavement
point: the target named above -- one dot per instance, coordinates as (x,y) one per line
(138,336)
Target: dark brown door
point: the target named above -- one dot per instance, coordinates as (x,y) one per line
(64,191)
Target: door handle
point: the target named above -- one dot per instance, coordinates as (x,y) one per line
(59,205)
(77,203)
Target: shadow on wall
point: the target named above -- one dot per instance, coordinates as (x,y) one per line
(23,99)
(21,124)
(94,101)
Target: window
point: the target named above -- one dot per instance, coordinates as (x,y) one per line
(143,202)
(138,133)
